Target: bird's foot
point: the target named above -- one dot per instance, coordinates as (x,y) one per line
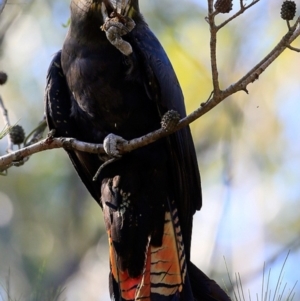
(110,145)
(115,26)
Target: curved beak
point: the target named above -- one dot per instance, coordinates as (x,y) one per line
(121,7)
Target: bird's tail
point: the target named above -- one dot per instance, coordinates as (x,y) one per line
(164,277)
(204,288)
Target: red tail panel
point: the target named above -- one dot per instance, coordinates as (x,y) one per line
(165,267)
(127,285)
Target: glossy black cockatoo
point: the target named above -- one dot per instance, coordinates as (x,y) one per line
(112,76)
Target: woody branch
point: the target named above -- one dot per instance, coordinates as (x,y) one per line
(216,97)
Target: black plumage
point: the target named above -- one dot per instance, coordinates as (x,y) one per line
(94,90)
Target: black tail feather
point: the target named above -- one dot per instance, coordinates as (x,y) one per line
(204,288)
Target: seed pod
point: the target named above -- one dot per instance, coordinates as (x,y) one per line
(170,120)
(288,10)
(223,6)
(17,134)
(3,78)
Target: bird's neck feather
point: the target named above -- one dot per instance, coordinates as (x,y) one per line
(86,11)
(86,20)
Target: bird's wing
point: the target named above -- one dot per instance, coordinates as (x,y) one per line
(164,88)
(57,100)
(58,104)
(163,84)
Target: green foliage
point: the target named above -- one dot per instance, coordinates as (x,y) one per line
(67,24)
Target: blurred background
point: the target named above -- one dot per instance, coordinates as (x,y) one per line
(52,238)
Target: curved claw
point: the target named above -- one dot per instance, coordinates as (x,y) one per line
(110,145)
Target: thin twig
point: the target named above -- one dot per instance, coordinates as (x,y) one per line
(3,80)
(241,11)
(250,77)
(213,48)
(293,48)
(256,71)
(6,122)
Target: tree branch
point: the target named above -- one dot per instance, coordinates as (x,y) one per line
(213,39)
(255,72)
(6,121)
(3,79)
(293,48)
(241,11)
(213,48)
(15,158)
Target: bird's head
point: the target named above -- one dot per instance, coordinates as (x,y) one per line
(100,9)
(126,8)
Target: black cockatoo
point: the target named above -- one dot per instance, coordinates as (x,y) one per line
(112,76)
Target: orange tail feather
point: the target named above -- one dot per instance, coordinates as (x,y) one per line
(165,267)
